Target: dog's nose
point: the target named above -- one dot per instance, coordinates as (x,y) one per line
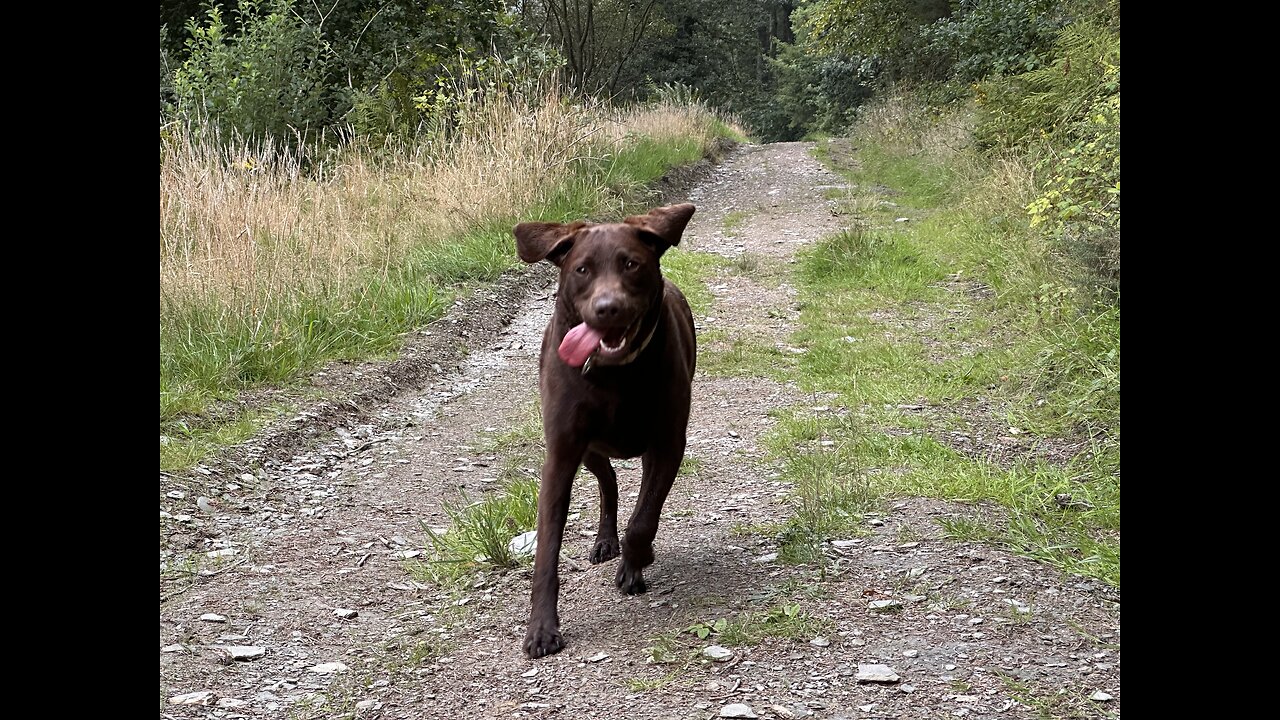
(607,307)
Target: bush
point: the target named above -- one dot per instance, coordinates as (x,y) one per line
(1070,110)
(1081,198)
(1084,70)
(268,78)
(992,37)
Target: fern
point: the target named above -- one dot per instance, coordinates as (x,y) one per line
(1084,70)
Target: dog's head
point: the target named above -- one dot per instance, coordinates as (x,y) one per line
(609,276)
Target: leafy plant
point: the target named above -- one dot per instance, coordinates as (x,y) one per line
(269,77)
(703,630)
(993,37)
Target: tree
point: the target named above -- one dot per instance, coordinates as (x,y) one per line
(599,39)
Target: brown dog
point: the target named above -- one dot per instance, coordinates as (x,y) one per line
(616,369)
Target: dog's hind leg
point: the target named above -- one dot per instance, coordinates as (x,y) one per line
(637,549)
(606,547)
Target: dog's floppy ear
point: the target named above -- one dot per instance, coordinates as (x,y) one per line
(664,225)
(545,241)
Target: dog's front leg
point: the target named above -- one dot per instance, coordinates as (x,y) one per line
(562,463)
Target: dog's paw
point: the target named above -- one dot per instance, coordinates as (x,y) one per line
(630,580)
(605,549)
(542,640)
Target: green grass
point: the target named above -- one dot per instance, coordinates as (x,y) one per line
(182,446)
(735,219)
(832,495)
(209,354)
(689,467)
(962,305)
(720,355)
(650,684)
(1069,703)
(689,270)
(478,534)
(787,621)
(722,130)
(479,530)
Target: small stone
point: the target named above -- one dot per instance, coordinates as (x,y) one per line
(224,552)
(733,434)
(524,543)
(1100,696)
(231,703)
(908,689)
(328,668)
(910,653)
(369,704)
(820,642)
(531,672)
(213,617)
(175,495)
(204,504)
(247,477)
(766,558)
(598,657)
(782,711)
(948,667)
(737,710)
(876,673)
(915,598)
(867,708)
(408,554)
(344,613)
(242,652)
(884,605)
(204,697)
(875,522)
(902,219)
(717,653)
(845,543)
(975,621)
(173,648)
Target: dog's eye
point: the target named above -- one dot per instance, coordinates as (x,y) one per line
(582,270)
(632,265)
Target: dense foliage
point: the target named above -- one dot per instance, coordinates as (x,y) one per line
(1045,74)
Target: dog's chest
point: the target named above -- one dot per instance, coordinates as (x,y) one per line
(621,423)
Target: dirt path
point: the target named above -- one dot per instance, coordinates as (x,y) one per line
(304,538)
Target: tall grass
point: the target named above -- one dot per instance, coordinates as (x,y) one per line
(972,312)
(276,257)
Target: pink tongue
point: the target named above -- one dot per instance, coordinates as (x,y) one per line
(578,344)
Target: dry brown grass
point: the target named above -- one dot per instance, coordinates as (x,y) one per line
(275,259)
(243,225)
